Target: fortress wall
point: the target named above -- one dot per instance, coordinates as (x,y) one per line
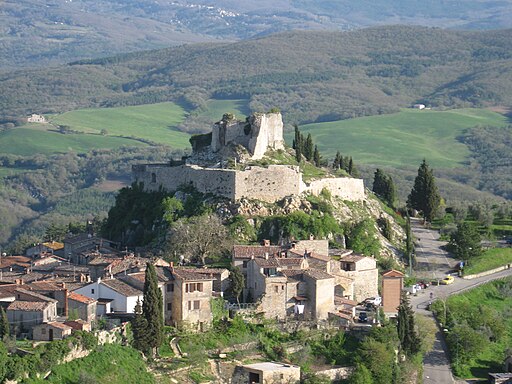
(267,132)
(217,181)
(268,184)
(344,187)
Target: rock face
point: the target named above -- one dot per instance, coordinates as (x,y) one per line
(260,132)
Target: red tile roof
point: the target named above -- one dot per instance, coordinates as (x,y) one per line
(190,274)
(62,326)
(393,273)
(256,251)
(318,275)
(31,306)
(80,298)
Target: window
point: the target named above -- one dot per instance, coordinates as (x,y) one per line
(276,288)
(244,264)
(153,177)
(43,331)
(92,291)
(194,287)
(197,304)
(169,306)
(189,303)
(170,287)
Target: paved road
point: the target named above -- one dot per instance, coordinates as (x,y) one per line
(436,263)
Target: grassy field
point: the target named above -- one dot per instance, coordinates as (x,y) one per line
(404,138)
(155,122)
(27,141)
(493,258)
(488,297)
(216,108)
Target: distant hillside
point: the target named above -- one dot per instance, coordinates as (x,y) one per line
(37,33)
(311,76)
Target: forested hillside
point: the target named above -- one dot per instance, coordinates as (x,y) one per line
(36,33)
(311,76)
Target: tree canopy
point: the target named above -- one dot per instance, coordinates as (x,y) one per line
(424,195)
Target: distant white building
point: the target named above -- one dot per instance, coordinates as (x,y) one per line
(419,106)
(35,118)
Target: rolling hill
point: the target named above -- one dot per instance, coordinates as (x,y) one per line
(311,76)
(36,33)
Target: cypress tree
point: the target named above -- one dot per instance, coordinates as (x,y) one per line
(337,160)
(350,169)
(152,309)
(424,195)
(384,187)
(466,241)
(409,340)
(296,137)
(4,324)
(342,163)
(409,244)
(316,157)
(308,148)
(139,329)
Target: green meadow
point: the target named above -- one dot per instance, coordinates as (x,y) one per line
(154,122)
(27,141)
(402,139)
(216,108)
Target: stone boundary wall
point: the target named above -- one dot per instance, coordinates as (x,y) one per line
(486,273)
(346,188)
(336,374)
(265,184)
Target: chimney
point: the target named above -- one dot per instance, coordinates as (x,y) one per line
(311,237)
(266,243)
(171,266)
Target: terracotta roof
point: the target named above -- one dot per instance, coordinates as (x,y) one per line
(121,287)
(338,300)
(291,261)
(318,256)
(340,252)
(318,275)
(36,295)
(19,305)
(45,286)
(393,273)
(79,238)
(267,263)
(214,271)
(293,274)
(8,261)
(256,251)
(80,298)
(62,326)
(342,315)
(77,324)
(190,274)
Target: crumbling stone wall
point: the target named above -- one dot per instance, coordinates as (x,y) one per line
(346,188)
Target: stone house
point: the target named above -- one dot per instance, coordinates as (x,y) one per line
(392,285)
(83,307)
(364,273)
(79,325)
(53,290)
(267,373)
(76,247)
(47,247)
(51,331)
(241,254)
(187,298)
(24,314)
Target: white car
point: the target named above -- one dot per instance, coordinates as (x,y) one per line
(376,301)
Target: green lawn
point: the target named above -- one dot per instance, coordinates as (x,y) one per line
(493,258)
(155,122)
(26,142)
(402,139)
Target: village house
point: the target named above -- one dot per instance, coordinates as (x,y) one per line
(77,247)
(267,373)
(30,309)
(47,247)
(51,331)
(79,325)
(82,307)
(53,290)
(392,285)
(36,118)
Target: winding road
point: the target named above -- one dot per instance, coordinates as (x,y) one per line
(434,263)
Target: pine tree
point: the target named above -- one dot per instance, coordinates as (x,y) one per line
(409,340)
(139,329)
(316,157)
(152,309)
(237,283)
(308,148)
(466,241)
(424,195)
(4,324)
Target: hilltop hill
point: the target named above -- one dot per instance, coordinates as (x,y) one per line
(311,76)
(36,33)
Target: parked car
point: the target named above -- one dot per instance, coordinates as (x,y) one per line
(375,301)
(423,284)
(448,280)
(363,317)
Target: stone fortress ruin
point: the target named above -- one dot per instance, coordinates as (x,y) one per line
(239,142)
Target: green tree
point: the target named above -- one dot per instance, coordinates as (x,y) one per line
(379,358)
(424,195)
(350,168)
(409,244)
(237,283)
(308,148)
(172,209)
(384,187)
(361,375)
(362,238)
(337,160)
(4,324)
(410,344)
(152,309)
(139,329)
(316,156)
(466,241)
